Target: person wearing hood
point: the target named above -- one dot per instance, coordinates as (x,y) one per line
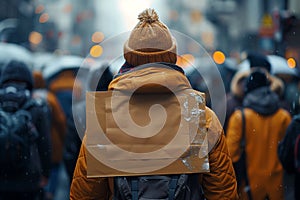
(234,99)
(261,126)
(26,182)
(220,182)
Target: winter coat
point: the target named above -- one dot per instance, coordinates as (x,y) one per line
(265,126)
(219,183)
(57,123)
(65,86)
(234,99)
(39,163)
(57,116)
(287,153)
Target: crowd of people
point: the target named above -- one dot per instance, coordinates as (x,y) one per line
(248,155)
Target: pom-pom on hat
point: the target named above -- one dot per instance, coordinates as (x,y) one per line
(17,71)
(150,41)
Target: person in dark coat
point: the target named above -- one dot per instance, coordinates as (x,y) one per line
(98,80)
(287,152)
(26,183)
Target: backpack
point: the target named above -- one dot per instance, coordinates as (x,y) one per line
(172,187)
(17,131)
(289,147)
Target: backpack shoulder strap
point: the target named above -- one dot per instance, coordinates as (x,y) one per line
(122,191)
(243,141)
(243,156)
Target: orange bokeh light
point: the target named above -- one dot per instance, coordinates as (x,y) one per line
(291,62)
(39,9)
(35,38)
(44,18)
(96,51)
(219,57)
(97,37)
(185,60)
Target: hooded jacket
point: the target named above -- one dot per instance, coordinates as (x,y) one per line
(39,162)
(265,125)
(219,183)
(235,98)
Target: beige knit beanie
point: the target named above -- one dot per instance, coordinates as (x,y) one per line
(150,41)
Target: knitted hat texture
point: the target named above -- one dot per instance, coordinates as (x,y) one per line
(150,41)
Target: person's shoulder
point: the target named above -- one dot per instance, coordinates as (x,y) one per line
(36,105)
(213,126)
(285,114)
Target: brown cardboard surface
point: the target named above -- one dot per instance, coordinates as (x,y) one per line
(145,134)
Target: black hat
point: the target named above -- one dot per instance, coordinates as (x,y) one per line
(258,60)
(256,80)
(17,71)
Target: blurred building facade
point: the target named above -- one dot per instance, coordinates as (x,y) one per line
(270,26)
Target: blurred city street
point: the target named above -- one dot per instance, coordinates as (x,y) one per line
(69,45)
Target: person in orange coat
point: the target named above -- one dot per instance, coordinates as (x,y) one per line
(58,129)
(220,182)
(265,125)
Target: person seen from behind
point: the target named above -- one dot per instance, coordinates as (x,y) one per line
(256,129)
(234,99)
(289,152)
(58,131)
(25,147)
(220,182)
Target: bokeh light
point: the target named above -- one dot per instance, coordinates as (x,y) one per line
(185,60)
(96,51)
(35,38)
(39,9)
(97,37)
(291,62)
(44,18)
(219,57)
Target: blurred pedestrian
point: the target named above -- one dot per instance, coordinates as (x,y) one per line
(150,42)
(289,152)
(234,99)
(25,147)
(57,122)
(256,130)
(65,86)
(98,79)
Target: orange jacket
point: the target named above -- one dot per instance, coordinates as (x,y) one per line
(58,119)
(219,183)
(262,133)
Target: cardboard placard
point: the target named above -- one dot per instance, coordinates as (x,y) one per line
(145,134)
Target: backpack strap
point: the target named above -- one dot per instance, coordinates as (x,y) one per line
(247,188)
(180,183)
(124,192)
(135,188)
(172,186)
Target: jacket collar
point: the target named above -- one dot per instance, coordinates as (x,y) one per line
(152,77)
